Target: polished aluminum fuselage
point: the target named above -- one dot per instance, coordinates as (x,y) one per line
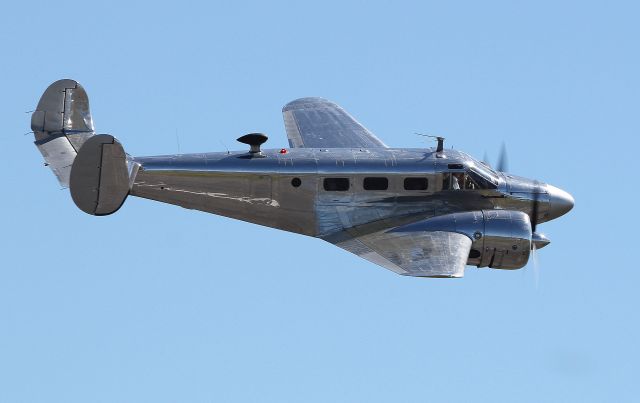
(260,189)
(417,212)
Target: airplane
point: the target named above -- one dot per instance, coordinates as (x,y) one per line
(417,212)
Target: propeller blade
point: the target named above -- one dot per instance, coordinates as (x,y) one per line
(502,161)
(535,207)
(536,267)
(485,159)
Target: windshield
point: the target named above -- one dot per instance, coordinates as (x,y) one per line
(483,177)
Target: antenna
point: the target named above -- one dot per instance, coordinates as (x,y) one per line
(439,139)
(225,146)
(178,140)
(254,140)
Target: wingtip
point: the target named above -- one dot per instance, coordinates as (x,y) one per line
(306,102)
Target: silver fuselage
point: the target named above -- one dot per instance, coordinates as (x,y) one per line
(260,190)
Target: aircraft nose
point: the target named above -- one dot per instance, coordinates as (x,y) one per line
(560,202)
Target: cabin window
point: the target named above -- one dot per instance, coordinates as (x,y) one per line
(336,184)
(416,183)
(375,184)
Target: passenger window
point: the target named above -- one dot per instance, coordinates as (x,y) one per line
(336,184)
(375,184)
(416,183)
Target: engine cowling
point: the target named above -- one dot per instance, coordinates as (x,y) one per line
(501,239)
(503,242)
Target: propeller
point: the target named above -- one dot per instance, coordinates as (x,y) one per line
(502,166)
(535,208)
(485,159)
(536,266)
(502,160)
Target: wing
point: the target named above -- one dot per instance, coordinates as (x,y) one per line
(411,253)
(319,123)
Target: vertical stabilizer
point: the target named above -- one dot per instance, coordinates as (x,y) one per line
(61,124)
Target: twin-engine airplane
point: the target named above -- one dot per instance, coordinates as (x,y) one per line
(417,212)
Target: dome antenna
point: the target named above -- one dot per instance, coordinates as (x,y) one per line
(254,140)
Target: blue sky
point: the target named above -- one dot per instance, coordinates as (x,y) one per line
(162,304)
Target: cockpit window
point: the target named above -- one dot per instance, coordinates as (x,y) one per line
(483,178)
(469,183)
(457,180)
(453,181)
(472,179)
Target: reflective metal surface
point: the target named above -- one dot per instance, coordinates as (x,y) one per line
(560,202)
(420,254)
(99,181)
(429,214)
(539,240)
(317,122)
(501,238)
(61,123)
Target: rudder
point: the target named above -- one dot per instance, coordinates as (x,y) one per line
(61,124)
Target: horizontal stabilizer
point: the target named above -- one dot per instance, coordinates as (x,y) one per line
(99,182)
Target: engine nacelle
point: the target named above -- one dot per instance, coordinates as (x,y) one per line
(503,242)
(501,238)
